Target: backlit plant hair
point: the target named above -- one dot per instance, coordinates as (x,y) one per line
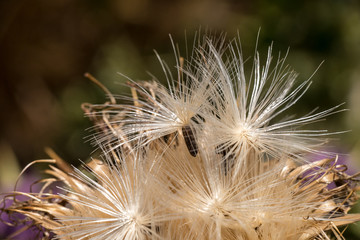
(203,158)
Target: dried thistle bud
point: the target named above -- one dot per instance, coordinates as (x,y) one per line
(201,159)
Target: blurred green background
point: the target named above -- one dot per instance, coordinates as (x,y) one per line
(47,46)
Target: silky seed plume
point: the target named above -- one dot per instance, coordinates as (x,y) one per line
(204,157)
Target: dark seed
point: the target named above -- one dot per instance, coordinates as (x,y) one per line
(190,140)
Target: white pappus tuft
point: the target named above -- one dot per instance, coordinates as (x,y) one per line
(111,199)
(205,158)
(216,103)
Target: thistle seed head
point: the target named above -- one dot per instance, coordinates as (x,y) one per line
(201,159)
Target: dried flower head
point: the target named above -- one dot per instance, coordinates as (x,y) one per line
(202,159)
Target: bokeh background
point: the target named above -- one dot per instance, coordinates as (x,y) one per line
(47,46)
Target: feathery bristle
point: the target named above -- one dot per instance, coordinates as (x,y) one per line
(203,159)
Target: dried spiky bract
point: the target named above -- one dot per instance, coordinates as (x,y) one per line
(202,159)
